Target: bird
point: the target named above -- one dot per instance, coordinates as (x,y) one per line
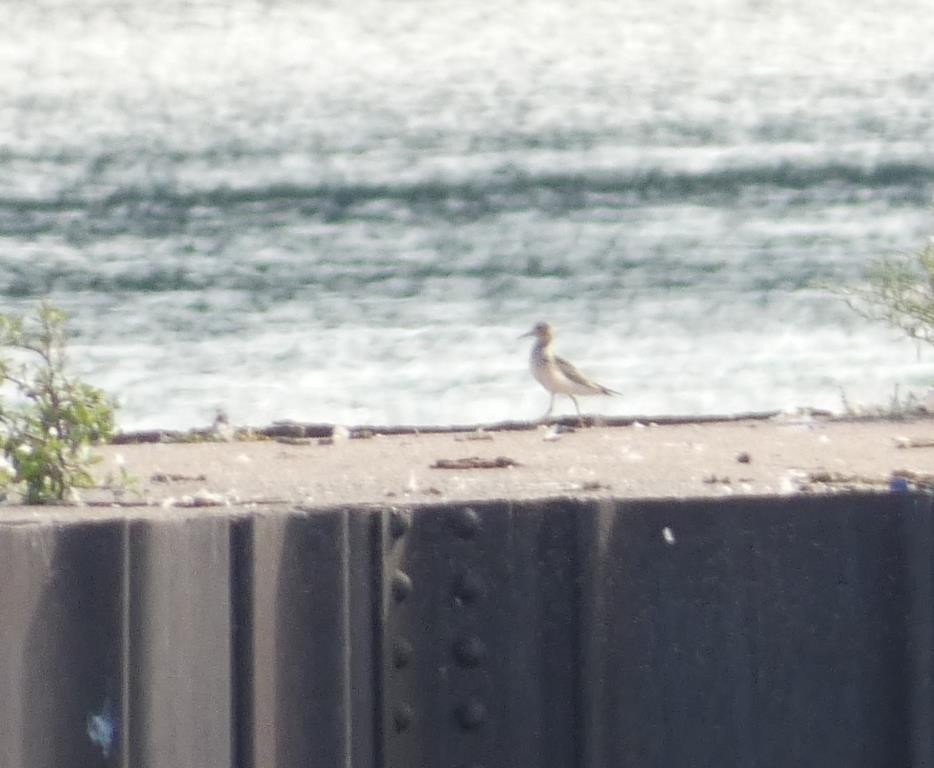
(556,374)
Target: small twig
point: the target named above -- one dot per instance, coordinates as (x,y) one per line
(907,442)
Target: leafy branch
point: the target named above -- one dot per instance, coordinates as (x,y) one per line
(899,291)
(53,419)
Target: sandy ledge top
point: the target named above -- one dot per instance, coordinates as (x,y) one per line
(764,454)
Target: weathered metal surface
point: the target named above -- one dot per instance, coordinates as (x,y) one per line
(772,631)
(445,658)
(745,633)
(62,645)
(179,654)
(305,614)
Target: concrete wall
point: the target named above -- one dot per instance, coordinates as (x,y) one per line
(753,632)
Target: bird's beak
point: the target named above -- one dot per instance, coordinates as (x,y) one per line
(527,333)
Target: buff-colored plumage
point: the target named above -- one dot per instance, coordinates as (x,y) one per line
(556,374)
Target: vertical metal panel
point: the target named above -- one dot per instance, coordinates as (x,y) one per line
(544,666)
(754,632)
(180,692)
(446,636)
(918,538)
(242,640)
(311,615)
(595,523)
(480,640)
(362,619)
(62,644)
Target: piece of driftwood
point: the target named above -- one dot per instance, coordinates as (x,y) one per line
(475,462)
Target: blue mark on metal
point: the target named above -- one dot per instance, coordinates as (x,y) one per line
(102,728)
(898,484)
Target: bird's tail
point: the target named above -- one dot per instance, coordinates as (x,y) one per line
(608,391)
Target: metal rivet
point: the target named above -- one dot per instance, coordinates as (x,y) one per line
(467,586)
(402,717)
(401,653)
(466,522)
(401,586)
(400,520)
(471,714)
(469,651)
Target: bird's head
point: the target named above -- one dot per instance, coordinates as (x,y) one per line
(541,331)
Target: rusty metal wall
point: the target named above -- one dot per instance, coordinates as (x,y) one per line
(563,633)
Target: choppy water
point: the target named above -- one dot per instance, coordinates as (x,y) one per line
(347,212)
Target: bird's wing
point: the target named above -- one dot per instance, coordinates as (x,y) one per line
(572,374)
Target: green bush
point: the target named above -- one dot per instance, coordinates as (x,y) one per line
(48,420)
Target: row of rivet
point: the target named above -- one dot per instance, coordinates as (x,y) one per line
(401,587)
(469,651)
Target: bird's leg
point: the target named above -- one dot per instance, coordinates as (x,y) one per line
(551,404)
(580,418)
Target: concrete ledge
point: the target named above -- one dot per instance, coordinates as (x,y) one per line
(740,457)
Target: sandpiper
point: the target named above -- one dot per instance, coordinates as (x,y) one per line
(556,374)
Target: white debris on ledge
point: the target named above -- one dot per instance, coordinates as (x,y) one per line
(203,498)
